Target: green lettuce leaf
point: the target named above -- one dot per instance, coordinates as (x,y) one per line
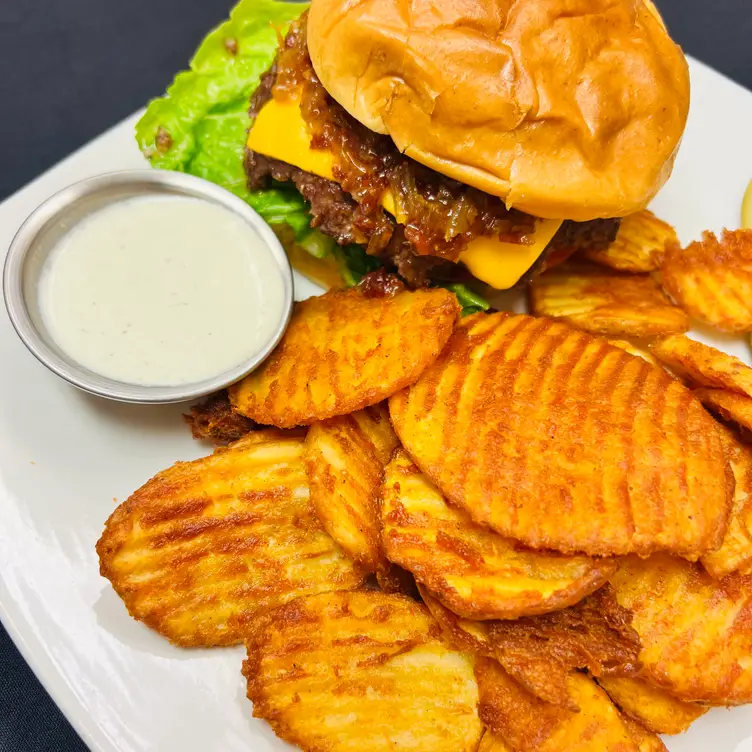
(200,125)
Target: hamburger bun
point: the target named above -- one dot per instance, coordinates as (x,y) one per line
(566,109)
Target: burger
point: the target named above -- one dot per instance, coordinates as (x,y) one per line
(458,141)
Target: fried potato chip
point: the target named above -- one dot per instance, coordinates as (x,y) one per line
(203,545)
(645,740)
(735,553)
(695,631)
(605,302)
(633,349)
(345,459)
(561,441)
(216,421)
(711,279)
(732,407)
(472,570)
(639,246)
(527,724)
(654,708)
(541,651)
(702,365)
(361,672)
(394,579)
(344,351)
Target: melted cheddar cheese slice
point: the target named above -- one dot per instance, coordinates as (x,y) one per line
(281,133)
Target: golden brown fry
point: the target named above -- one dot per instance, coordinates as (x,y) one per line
(654,708)
(633,349)
(735,553)
(712,279)
(345,459)
(645,740)
(203,545)
(540,652)
(732,407)
(702,365)
(472,570)
(695,633)
(639,246)
(578,447)
(361,672)
(344,351)
(605,302)
(527,724)
(216,421)
(493,743)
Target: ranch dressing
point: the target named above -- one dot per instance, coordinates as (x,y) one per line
(161,291)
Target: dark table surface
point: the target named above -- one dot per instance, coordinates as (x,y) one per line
(72,68)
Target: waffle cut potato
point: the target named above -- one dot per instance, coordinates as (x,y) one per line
(346,350)
(732,407)
(735,553)
(711,279)
(472,570)
(694,630)
(639,246)
(703,365)
(540,652)
(361,672)
(345,459)
(652,707)
(605,302)
(577,447)
(526,724)
(200,548)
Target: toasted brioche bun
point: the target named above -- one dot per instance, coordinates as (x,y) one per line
(567,109)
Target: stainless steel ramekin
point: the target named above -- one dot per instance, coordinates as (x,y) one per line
(49,222)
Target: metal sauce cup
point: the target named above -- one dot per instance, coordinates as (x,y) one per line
(42,231)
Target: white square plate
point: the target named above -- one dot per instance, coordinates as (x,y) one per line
(67,458)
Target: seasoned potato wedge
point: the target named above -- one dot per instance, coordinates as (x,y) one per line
(203,545)
(472,570)
(605,302)
(361,672)
(639,246)
(703,365)
(344,351)
(528,724)
(711,279)
(735,553)
(654,708)
(345,459)
(732,407)
(694,630)
(578,447)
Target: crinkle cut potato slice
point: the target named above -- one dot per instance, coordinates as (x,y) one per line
(344,351)
(639,246)
(654,708)
(474,571)
(604,302)
(711,279)
(703,365)
(730,406)
(527,724)
(633,349)
(203,545)
(579,446)
(345,459)
(361,672)
(695,631)
(735,553)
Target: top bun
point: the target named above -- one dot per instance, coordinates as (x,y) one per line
(567,109)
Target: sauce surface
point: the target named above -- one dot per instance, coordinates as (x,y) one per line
(161,291)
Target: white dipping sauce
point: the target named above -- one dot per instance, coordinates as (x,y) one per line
(161,291)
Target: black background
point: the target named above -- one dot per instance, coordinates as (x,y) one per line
(71,68)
